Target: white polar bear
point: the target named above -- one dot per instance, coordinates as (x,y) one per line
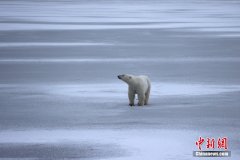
(139,85)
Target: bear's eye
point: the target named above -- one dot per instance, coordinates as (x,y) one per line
(130,77)
(123,75)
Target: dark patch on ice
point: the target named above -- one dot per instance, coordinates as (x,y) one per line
(52,151)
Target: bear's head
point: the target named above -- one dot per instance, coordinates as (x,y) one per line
(126,78)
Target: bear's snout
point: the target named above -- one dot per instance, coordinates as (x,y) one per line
(119,77)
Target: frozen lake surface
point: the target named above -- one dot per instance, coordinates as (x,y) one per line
(59,93)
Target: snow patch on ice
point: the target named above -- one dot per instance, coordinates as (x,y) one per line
(40,44)
(158,89)
(110,60)
(118,90)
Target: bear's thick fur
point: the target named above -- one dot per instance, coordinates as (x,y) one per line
(139,85)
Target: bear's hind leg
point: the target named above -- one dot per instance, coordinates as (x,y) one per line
(146,99)
(147,96)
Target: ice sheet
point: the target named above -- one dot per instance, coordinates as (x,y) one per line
(59,93)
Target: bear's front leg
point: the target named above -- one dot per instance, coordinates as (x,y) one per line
(131,97)
(141,98)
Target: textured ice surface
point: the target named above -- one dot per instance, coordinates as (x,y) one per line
(145,144)
(195,15)
(151,143)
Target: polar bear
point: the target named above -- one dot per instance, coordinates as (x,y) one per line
(139,85)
